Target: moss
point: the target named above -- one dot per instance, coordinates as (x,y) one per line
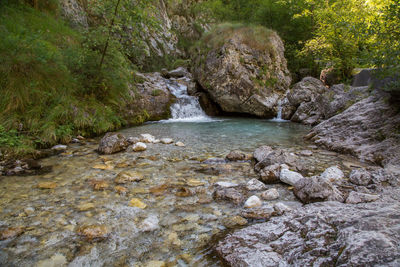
(156,92)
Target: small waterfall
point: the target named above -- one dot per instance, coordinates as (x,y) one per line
(278,117)
(186,107)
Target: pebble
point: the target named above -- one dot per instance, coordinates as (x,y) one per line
(47,185)
(180,144)
(86,206)
(94,232)
(270,194)
(59,148)
(167,141)
(121,190)
(150,224)
(99,184)
(57,260)
(226,184)
(139,147)
(29,210)
(290,177)
(135,202)
(173,239)
(128,176)
(103,167)
(332,174)
(155,264)
(253,201)
(195,182)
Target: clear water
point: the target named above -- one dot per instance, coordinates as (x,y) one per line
(187,225)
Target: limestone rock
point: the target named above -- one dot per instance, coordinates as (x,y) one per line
(357,197)
(290,177)
(167,141)
(316,188)
(179,144)
(360,177)
(332,174)
(319,234)
(135,202)
(236,155)
(47,185)
(261,212)
(252,202)
(230,194)
(270,194)
(255,184)
(112,143)
(94,232)
(262,152)
(270,174)
(150,224)
(128,176)
(147,138)
(242,75)
(139,147)
(11,232)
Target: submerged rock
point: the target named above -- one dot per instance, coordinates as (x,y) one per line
(319,234)
(230,194)
(112,143)
(94,232)
(128,176)
(237,155)
(47,185)
(11,232)
(135,202)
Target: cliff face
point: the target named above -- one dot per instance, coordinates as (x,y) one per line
(157,43)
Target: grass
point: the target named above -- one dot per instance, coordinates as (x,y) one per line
(50,83)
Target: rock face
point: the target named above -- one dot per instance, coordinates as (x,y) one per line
(320,234)
(310,102)
(368,129)
(112,143)
(243,69)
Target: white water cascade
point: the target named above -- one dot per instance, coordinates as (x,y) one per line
(278,117)
(186,107)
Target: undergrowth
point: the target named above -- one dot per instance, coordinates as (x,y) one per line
(50,82)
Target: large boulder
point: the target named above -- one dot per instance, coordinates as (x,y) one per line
(310,102)
(368,129)
(151,100)
(243,69)
(320,234)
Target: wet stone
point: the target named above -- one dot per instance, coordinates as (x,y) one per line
(139,147)
(230,194)
(258,213)
(121,190)
(356,197)
(128,176)
(86,207)
(255,185)
(179,144)
(270,194)
(94,232)
(99,184)
(167,141)
(135,202)
(252,202)
(11,232)
(234,221)
(47,185)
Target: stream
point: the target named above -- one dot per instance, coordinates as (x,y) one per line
(181,220)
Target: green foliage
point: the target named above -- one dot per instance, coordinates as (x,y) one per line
(50,81)
(156,92)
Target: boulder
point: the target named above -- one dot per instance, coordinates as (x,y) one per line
(368,129)
(262,152)
(229,194)
(236,155)
(112,143)
(360,177)
(280,157)
(270,174)
(243,69)
(316,188)
(332,174)
(319,234)
(255,185)
(252,202)
(270,194)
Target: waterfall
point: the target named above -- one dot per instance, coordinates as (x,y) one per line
(186,107)
(278,117)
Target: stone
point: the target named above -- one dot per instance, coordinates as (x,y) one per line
(235,221)
(167,141)
(173,239)
(332,174)
(357,197)
(147,138)
(94,233)
(150,224)
(240,74)
(103,167)
(139,147)
(236,155)
(135,202)
(319,234)
(195,182)
(179,73)
(11,232)
(86,206)
(280,156)
(254,185)
(29,211)
(281,208)
(183,192)
(59,148)
(112,143)
(230,194)
(360,177)
(290,177)
(306,153)
(125,177)
(226,184)
(99,184)
(270,174)
(262,152)
(155,264)
(47,185)
(121,190)
(57,260)
(179,144)
(259,213)
(252,202)
(315,188)
(270,194)
(133,140)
